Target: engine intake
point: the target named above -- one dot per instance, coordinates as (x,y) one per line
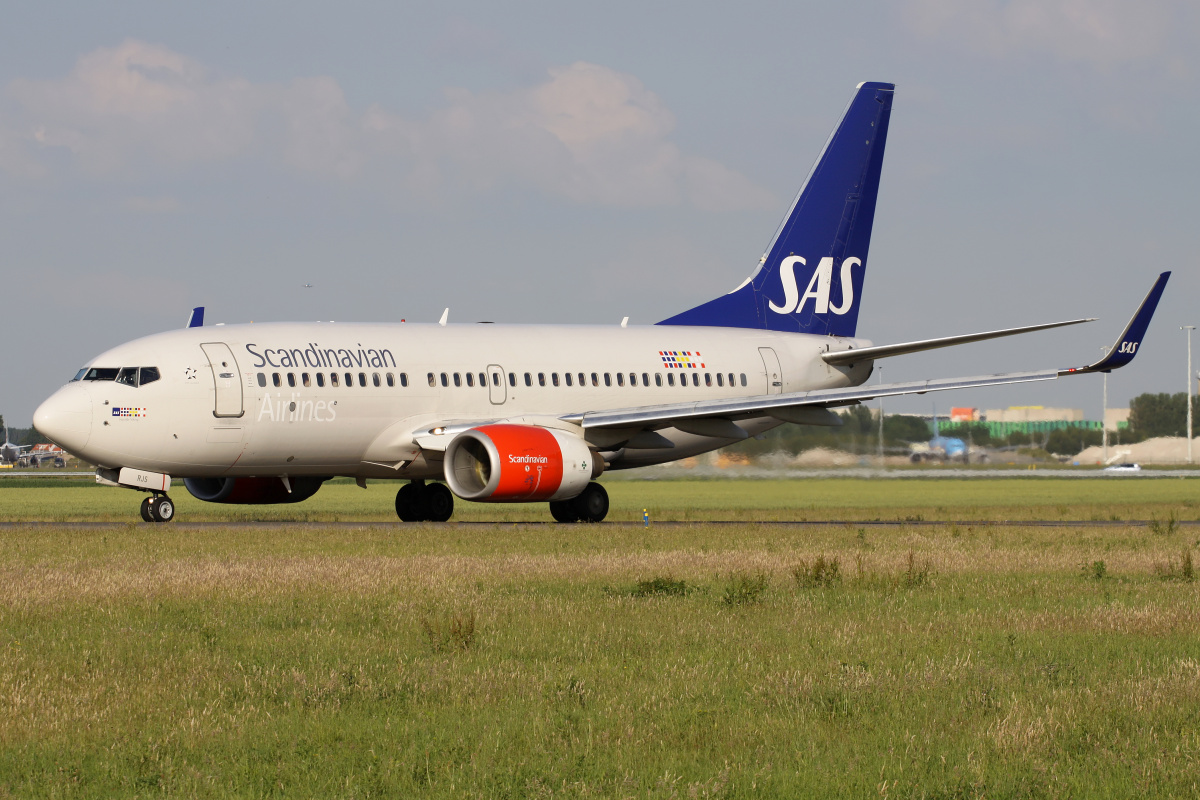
(252,491)
(518,464)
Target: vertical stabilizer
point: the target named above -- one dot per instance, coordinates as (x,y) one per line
(811,278)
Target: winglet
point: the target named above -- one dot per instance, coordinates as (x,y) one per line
(1126,346)
(196,320)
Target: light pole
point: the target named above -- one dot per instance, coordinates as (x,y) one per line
(1104,409)
(1189,329)
(881,464)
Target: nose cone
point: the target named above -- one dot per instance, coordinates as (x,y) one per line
(66,418)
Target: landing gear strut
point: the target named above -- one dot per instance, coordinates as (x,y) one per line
(590,506)
(158,508)
(417,502)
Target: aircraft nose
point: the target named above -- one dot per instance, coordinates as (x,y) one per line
(65,418)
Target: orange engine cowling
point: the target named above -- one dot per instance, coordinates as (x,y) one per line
(518,464)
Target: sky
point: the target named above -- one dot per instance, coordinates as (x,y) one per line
(579,163)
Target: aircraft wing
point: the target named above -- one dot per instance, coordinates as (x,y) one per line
(789,406)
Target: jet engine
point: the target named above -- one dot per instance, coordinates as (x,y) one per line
(252,491)
(518,464)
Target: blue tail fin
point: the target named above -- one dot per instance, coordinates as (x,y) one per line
(811,278)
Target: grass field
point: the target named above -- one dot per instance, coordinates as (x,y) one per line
(694,660)
(1101,499)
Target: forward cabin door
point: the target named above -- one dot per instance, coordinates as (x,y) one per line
(225,377)
(774,373)
(497,389)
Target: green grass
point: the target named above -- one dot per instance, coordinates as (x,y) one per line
(737,500)
(514,660)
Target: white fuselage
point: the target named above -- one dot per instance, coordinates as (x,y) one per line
(271,405)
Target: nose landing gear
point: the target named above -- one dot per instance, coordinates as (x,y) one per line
(158,508)
(416,502)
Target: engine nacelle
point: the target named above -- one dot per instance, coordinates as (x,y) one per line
(518,464)
(252,491)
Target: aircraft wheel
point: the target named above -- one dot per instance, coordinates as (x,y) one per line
(162,509)
(592,504)
(410,502)
(146,517)
(564,511)
(439,502)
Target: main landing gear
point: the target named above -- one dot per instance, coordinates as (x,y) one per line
(590,506)
(416,502)
(158,508)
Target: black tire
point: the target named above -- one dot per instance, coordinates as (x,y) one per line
(439,502)
(564,511)
(146,516)
(592,504)
(410,502)
(163,509)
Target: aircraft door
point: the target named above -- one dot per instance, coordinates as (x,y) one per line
(774,373)
(497,390)
(225,377)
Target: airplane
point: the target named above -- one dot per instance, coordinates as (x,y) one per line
(11,453)
(266,413)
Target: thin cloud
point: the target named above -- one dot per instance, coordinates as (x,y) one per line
(586,132)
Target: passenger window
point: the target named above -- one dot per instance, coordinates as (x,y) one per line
(457,379)
(483,379)
(720,379)
(595,381)
(275,379)
(512,379)
(495,379)
(432,380)
(541,379)
(262,379)
(404,379)
(362,379)
(375,378)
(645,379)
(708,379)
(620,379)
(567,377)
(554,378)
(743,379)
(731,382)
(304,379)
(321,379)
(333,379)
(695,379)
(445,380)
(582,382)
(670,379)
(292,380)
(127,376)
(607,379)
(147,375)
(470,379)
(528,379)
(349,381)
(391,379)
(658,379)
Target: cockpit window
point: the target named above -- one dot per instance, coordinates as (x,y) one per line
(79,375)
(127,376)
(148,375)
(101,374)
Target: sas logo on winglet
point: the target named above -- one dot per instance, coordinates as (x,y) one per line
(1128,347)
(128,412)
(818,287)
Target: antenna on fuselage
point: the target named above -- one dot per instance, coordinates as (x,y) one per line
(445,316)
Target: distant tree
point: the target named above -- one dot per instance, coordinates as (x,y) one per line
(905,428)
(974,432)
(1071,441)
(1153,415)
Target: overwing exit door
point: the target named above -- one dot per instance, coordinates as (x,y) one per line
(228,401)
(497,391)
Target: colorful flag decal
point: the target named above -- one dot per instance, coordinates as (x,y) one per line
(128,412)
(681,359)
